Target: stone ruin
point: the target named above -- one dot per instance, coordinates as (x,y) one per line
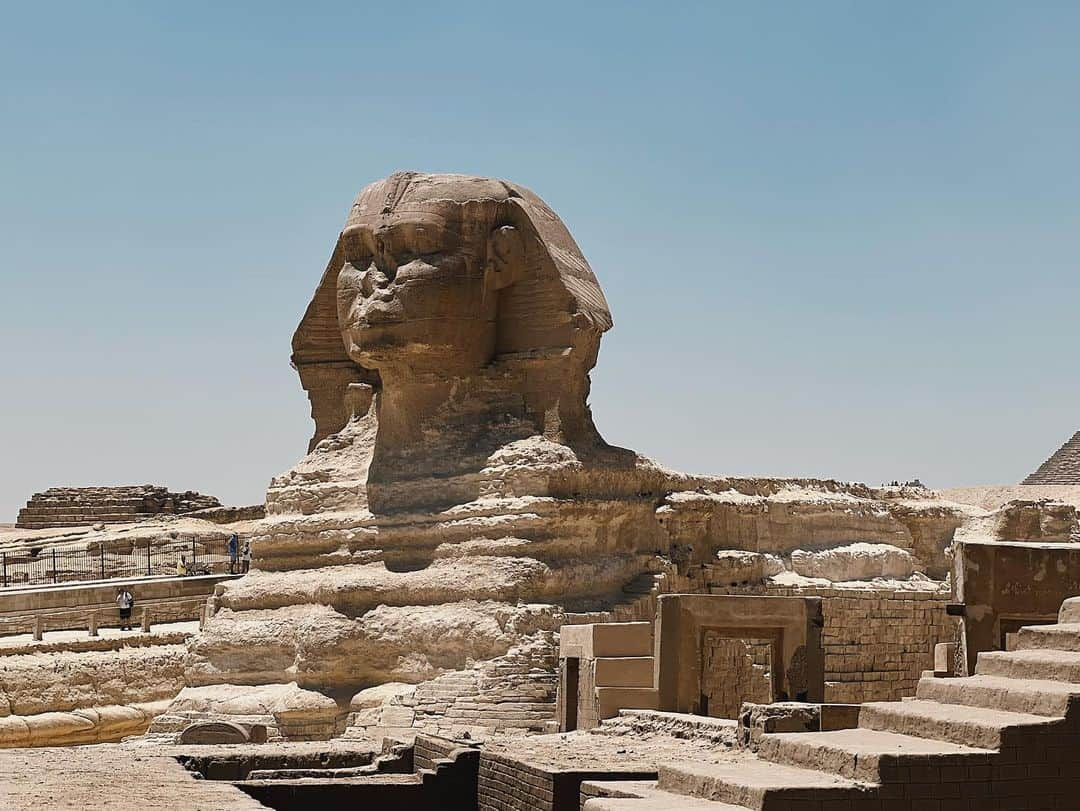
(79,506)
(458,506)
(460,554)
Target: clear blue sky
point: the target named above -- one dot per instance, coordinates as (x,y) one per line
(838,239)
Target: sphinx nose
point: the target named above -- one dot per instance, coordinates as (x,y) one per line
(373,279)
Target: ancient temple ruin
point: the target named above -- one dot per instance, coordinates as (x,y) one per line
(79,506)
(463,597)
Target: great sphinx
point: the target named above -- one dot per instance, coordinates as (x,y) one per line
(457,498)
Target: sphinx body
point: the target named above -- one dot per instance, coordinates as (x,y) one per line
(457,498)
(455,485)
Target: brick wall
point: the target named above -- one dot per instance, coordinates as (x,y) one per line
(735,671)
(507,784)
(877,642)
(429,748)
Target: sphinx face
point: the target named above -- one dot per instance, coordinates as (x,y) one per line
(411,295)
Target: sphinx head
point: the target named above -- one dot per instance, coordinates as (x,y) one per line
(445,273)
(449,275)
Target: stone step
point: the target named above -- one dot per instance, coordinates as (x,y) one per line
(608,639)
(637,795)
(624,671)
(1042,665)
(977,727)
(84,499)
(612,699)
(70,507)
(867,755)
(74,510)
(1063,636)
(85,521)
(757,784)
(1047,698)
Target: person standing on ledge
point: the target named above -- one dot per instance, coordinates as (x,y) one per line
(234,552)
(125,601)
(245,559)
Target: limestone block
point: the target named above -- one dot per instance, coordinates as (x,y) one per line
(31,684)
(857,561)
(374,697)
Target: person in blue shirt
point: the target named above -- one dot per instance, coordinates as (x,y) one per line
(234,552)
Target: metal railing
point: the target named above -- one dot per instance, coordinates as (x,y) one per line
(53,565)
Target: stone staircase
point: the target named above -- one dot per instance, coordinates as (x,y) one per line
(1005,738)
(78,506)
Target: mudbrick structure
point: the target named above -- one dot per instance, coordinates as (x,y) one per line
(461,557)
(78,506)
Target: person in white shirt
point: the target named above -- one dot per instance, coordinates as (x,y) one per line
(125,601)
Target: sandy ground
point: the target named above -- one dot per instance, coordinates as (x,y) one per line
(993,496)
(577,751)
(108,777)
(134,776)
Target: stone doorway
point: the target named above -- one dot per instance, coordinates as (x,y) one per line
(734,669)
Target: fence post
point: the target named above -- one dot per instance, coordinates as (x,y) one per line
(54,564)
(146,620)
(93,623)
(147,558)
(194,556)
(5,569)
(102,561)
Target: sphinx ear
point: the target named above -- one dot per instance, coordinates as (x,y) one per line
(505,258)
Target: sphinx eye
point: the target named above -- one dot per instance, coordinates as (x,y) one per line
(367,240)
(425,241)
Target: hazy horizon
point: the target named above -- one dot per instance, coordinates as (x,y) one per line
(838,240)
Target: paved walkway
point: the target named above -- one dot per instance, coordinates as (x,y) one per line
(162,633)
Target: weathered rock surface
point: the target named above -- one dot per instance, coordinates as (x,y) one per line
(60,681)
(317,646)
(62,698)
(82,726)
(1043,519)
(858,561)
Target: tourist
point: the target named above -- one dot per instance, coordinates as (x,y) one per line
(246,558)
(181,566)
(234,552)
(124,601)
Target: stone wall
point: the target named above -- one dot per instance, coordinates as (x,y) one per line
(877,641)
(69,606)
(509,784)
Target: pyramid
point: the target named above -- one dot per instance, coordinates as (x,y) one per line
(1061,468)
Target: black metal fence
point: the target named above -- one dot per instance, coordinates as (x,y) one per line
(38,566)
